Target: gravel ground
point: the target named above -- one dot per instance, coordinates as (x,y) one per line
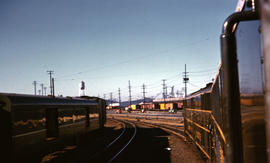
(150,145)
(183,151)
(156,145)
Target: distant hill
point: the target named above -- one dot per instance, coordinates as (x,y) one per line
(126,103)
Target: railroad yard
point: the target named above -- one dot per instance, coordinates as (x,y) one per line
(129,137)
(135,81)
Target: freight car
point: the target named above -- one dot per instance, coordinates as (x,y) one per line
(30,124)
(135,107)
(227,121)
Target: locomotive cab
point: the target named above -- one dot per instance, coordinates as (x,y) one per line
(243,86)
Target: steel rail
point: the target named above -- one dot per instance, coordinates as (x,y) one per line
(135,132)
(115,140)
(123,131)
(174,130)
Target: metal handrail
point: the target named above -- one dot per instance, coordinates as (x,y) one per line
(219,128)
(209,130)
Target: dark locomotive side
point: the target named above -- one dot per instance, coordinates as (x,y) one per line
(227,121)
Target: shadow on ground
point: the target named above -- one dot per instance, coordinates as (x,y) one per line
(149,145)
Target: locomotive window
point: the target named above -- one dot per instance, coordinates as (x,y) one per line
(250,58)
(251,82)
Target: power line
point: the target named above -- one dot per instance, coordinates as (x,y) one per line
(150,86)
(112,76)
(136,58)
(203,71)
(208,74)
(158,82)
(171,79)
(193,85)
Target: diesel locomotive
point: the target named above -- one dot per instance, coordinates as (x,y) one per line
(229,119)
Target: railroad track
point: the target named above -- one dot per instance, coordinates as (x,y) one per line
(117,146)
(176,130)
(179,132)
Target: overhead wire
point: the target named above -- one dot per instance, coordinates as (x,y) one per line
(204,70)
(135,58)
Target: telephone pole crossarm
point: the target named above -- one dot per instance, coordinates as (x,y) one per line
(185,80)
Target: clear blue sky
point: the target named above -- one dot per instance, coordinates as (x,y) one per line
(108,42)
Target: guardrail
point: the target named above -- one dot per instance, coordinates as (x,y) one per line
(202,128)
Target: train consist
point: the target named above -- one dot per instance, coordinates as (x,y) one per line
(163,104)
(229,119)
(40,122)
(226,119)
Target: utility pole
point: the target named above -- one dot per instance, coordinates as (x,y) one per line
(39,92)
(42,88)
(50,72)
(53,87)
(143,87)
(185,80)
(35,87)
(119,96)
(177,93)
(111,98)
(45,88)
(164,90)
(104,95)
(172,91)
(129,90)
